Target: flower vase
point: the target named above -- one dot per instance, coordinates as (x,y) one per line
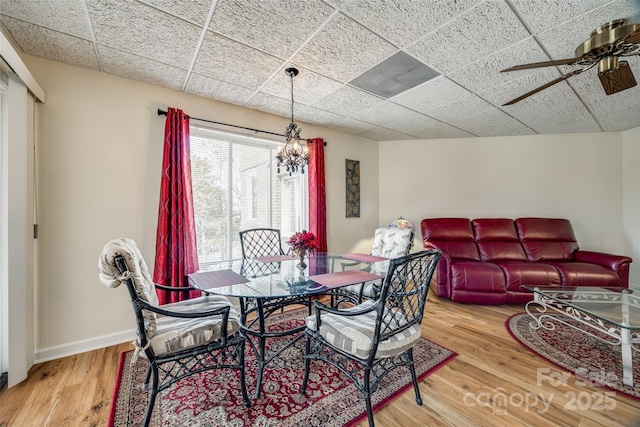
(301,265)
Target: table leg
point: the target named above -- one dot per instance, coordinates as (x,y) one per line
(260,357)
(627,360)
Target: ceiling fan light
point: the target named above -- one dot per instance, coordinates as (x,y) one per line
(608,64)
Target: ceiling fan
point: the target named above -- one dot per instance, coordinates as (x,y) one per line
(606,45)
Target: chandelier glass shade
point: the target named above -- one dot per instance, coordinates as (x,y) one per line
(292,156)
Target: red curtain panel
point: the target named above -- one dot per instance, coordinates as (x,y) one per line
(317,193)
(176,254)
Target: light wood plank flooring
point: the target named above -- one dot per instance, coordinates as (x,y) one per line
(77,390)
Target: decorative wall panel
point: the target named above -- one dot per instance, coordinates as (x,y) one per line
(352,173)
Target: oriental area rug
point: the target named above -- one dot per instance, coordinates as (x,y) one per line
(213,398)
(591,360)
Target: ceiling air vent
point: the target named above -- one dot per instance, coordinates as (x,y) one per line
(394,75)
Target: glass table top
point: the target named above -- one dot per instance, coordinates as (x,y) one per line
(616,305)
(282,278)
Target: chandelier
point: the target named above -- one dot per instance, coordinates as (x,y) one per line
(292,156)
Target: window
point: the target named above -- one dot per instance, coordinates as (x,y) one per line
(236,187)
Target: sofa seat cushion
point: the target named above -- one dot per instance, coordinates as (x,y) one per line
(175,333)
(585,274)
(477,276)
(354,334)
(518,274)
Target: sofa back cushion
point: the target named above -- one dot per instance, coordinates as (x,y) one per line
(497,240)
(453,236)
(547,239)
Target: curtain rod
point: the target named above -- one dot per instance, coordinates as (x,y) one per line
(164,113)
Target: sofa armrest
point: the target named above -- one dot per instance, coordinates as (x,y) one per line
(606,260)
(617,263)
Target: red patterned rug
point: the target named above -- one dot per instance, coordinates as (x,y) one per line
(590,359)
(212,398)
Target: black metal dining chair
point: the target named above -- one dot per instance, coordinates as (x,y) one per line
(178,339)
(369,340)
(259,243)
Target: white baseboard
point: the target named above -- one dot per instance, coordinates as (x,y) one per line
(634,286)
(69,349)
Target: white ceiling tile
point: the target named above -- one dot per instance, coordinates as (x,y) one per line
(384,114)
(457,112)
(195,11)
(382,134)
(403,21)
(351,126)
(347,101)
(548,123)
(343,50)
(271,104)
(337,3)
(428,128)
(541,15)
(136,68)
(233,62)
(316,117)
(618,120)
(431,94)
(494,123)
(140,29)
(40,41)
(216,89)
(278,27)
(308,87)
(485,73)
(477,33)
(65,16)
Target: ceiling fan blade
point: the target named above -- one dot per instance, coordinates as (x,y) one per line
(544,86)
(567,61)
(634,37)
(618,79)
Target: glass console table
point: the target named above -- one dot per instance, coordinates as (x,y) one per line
(613,312)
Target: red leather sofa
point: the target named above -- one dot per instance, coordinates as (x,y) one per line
(488,260)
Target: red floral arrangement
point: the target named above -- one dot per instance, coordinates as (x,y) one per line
(303,242)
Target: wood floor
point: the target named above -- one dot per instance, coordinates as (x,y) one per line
(77,390)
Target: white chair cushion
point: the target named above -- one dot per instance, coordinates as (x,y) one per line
(354,334)
(174,333)
(110,276)
(369,288)
(390,242)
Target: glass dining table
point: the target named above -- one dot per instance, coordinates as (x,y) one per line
(265,286)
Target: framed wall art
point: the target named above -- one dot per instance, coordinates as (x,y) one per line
(352,173)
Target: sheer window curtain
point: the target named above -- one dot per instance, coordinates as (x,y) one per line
(176,249)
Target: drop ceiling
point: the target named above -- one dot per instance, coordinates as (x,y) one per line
(236,51)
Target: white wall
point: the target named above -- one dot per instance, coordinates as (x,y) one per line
(631,200)
(99,157)
(574,176)
(99,160)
